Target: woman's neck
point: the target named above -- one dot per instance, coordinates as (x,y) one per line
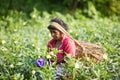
(58,43)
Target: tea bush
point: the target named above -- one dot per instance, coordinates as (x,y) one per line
(23,40)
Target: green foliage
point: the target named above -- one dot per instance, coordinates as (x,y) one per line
(108,7)
(23,40)
(88,7)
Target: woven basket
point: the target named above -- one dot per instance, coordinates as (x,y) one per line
(89,51)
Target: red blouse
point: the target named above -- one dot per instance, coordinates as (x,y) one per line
(67,47)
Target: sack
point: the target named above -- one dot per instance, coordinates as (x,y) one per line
(89,51)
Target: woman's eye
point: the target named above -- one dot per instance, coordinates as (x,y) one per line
(54,32)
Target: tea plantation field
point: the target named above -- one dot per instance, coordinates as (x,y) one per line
(23,40)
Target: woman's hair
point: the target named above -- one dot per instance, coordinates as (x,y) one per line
(60,22)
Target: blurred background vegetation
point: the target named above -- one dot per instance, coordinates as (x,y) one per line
(88,7)
(23,24)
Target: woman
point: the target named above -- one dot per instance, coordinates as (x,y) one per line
(61,42)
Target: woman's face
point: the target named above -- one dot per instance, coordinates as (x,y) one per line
(57,35)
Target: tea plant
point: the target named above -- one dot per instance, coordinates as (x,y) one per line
(23,40)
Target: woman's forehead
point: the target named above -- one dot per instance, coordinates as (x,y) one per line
(54,30)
